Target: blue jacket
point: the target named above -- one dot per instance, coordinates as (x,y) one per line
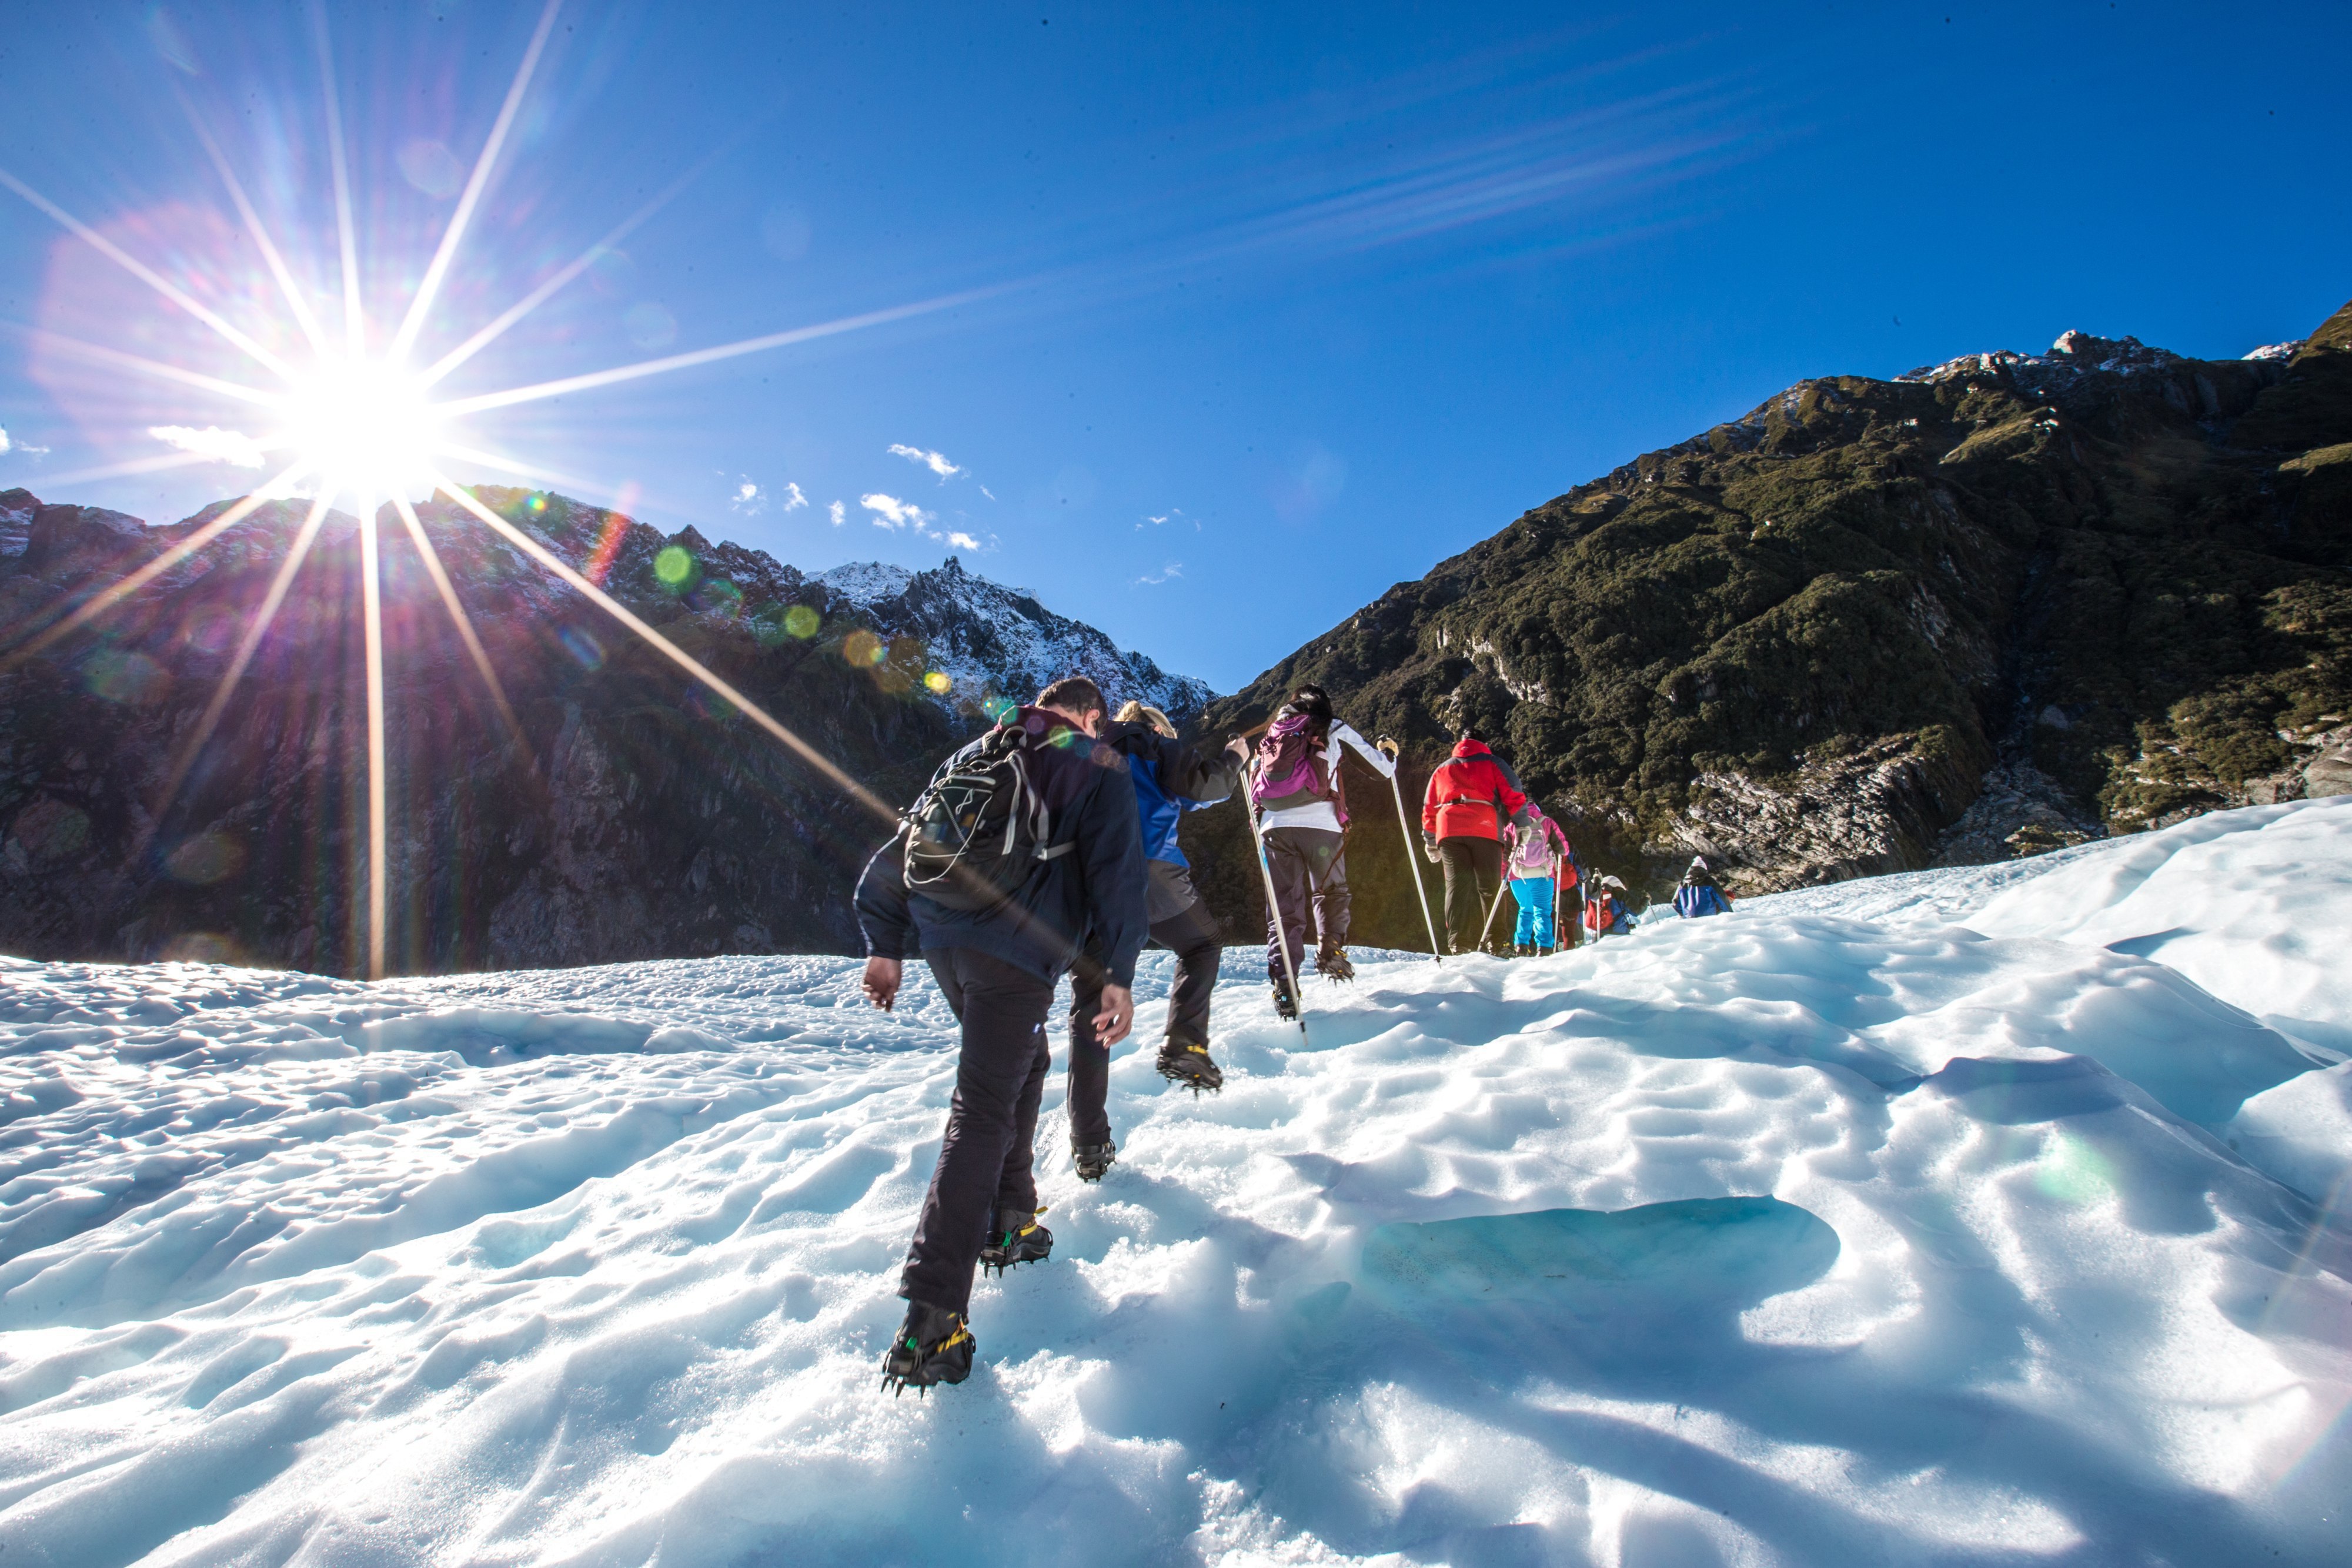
(1694,899)
(1170,779)
(1098,886)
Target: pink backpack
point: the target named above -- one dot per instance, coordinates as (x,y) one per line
(1289,766)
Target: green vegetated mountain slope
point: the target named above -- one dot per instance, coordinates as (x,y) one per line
(1989,607)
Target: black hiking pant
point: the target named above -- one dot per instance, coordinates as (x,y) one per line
(1311,876)
(985,1155)
(1192,936)
(1474,871)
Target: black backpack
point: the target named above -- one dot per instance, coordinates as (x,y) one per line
(979,829)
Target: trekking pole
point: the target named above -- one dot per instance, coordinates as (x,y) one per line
(1555,901)
(1274,914)
(1412,859)
(1502,885)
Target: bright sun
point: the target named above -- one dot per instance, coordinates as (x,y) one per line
(369,425)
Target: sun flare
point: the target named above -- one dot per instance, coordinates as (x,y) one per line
(369,425)
(357,424)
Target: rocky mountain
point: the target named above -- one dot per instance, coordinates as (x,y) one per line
(627,813)
(986,636)
(1986,608)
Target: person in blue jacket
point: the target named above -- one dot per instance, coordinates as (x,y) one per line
(1170,779)
(1698,894)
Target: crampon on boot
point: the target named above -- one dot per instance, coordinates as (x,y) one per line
(1188,1066)
(1285,1004)
(1093,1159)
(931,1346)
(1331,963)
(1017,1239)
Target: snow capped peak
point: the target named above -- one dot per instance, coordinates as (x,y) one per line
(2286,350)
(991,639)
(863,582)
(2073,353)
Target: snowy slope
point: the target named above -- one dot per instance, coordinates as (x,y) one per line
(1800,1236)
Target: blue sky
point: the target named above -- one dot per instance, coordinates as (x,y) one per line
(1229,317)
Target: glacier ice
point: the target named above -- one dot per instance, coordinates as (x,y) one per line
(1989,1215)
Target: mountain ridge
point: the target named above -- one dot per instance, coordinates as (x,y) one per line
(2073,593)
(635,816)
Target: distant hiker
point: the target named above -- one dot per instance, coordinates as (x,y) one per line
(1471,795)
(1024,845)
(1605,914)
(1698,894)
(1541,866)
(1302,807)
(1170,779)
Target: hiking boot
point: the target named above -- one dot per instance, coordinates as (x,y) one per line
(1093,1159)
(1018,1238)
(1285,1003)
(931,1346)
(1332,964)
(1187,1065)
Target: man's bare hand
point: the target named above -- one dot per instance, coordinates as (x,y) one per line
(880,983)
(1117,1017)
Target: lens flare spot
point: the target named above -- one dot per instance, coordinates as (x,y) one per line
(863,649)
(940,682)
(800,621)
(206,859)
(2074,1172)
(1000,709)
(45,833)
(673,565)
(581,646)
(203,947)
(122,677)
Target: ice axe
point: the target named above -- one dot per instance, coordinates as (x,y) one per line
(1412,853)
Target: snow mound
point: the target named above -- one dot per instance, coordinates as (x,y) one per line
(1804,1236)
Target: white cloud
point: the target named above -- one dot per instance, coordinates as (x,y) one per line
(5,443)
(1171,515)
(962,541)
(987,492)
(749,499)
(1173,569)
(221,445)
(793,499)
(839,513)
(937,462)
(889,512)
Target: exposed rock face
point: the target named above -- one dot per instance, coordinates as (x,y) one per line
(634,817)
(1985,609)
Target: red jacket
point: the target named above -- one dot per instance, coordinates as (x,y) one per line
(1471,795)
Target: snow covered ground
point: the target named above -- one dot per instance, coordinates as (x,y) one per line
(1893,1223)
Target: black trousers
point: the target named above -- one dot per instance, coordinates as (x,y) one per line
(985,1155)
(1311,875)
(1192,936)
(1474,870)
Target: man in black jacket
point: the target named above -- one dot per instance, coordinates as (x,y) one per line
(998,967)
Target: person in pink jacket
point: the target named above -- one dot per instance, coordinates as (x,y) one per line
(1535,854)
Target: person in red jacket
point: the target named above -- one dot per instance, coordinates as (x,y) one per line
(1472,794)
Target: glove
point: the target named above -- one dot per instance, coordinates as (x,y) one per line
(1429,847)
